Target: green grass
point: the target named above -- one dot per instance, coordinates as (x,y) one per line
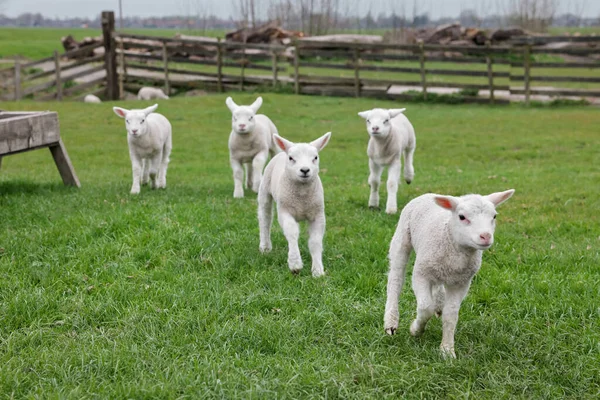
(165,294)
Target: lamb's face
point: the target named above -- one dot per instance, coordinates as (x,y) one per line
(473,219)
(242,117)
(379,121)
(242,120)
(303,162)
(135,120)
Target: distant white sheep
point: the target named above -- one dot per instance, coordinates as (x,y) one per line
(250,142)
(149,93)
(391,135)
(292,180)
(448,235)
(150,143)
(90,98)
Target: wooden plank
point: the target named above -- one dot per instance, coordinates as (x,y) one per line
(539,78)
(307,43)
(22,132)
(36,62)
(274,67)
(39,87)
(573,51)
(490,73)
(296,68)
(422,70)
(553,39)
(184,60)
(199,42)
(588,65)
(558,92)
(527,68)
(63,163)
(356,73)
(110,53)
(166,69)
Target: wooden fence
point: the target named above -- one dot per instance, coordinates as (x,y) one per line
(487,73)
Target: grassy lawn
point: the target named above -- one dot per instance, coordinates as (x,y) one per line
(165,295)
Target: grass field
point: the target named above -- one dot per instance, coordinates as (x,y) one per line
(165,295)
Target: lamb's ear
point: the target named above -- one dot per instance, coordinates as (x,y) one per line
(256,105)
(231,104)
(364,114)
(321,142)
(149,110)
(121,112)
(447,202)
(394,112)
(500,197)
(282,143)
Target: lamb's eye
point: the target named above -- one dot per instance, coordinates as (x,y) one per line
(316,158)
(291,159)
(127,121)
(461,217)
(251,118)
(368,121)
(494,217)
(386,121)
(142,121)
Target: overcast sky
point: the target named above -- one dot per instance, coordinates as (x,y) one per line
(226,8)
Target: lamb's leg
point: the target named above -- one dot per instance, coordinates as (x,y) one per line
(238,177)
(164,163)
(136,167)
(265,220)
(400,249)
(316,231)
(258,164)
(454,297)
(154,168)
(374,181)
(425,303)
(409,170)
(291,232)
(146,170)
(248,168)
(392,187)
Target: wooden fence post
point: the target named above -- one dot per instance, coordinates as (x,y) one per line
(59,88)
(274,63)
(219,66)
(356,72)
(422,62)
(527,66)
(243,67)
(110,55)
(490,72)
(123,74)
(166,66)
(17,80)
(296,66)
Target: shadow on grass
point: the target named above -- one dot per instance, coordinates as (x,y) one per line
(20,187)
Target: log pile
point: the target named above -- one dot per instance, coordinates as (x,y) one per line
(69,43)
(457,35)
(271,32)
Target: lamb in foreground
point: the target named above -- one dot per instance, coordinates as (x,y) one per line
(292,180)
(250,142)
(448,235)
(90,98)
(391,135)
(149,93)
(149,139)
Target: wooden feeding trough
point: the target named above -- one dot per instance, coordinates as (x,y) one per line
(24,131)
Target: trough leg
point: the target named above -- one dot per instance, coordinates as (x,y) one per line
(63,163)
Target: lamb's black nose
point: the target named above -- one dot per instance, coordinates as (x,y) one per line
(305,171)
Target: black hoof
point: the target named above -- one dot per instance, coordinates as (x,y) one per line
(408,182)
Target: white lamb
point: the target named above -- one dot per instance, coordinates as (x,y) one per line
(149,139)
(292,180)
(90,98)
(149,93)
(391,135)
(250,142)
(448,235)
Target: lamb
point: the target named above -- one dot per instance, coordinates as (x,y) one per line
(250,143)
(149,139)
(391,134)
(292,180)
(149,93)
(448,235)
(90,98)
